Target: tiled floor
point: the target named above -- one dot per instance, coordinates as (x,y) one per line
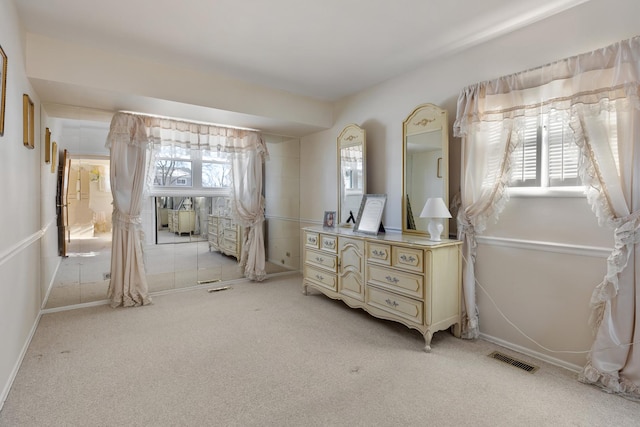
(82,276)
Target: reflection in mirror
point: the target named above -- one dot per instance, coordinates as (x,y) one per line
(425,164)
(352,178)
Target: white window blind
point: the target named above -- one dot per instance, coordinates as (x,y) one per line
(547,155)
(526,164)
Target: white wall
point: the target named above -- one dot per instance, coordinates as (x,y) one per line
(20,174)
(542,280)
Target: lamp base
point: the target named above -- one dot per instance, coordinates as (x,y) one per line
(435,230)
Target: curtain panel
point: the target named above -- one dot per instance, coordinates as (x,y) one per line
(599,92)
(127,142)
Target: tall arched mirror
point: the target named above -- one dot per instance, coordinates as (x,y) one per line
(425,160)
(352,177)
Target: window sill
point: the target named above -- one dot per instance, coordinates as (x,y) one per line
(562,192)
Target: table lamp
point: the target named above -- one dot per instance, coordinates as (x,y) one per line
(435,209)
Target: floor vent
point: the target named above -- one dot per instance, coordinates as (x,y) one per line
(513,362)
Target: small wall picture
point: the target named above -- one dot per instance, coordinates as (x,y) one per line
(28,127)
(329,219)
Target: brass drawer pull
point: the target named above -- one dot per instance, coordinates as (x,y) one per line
(378,253)
(319,277)
(392,279)
(319,259)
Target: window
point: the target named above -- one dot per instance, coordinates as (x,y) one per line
(547,155)
(179,167)
(173,167)
(216,170)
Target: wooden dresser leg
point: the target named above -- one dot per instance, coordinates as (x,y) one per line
(427,341)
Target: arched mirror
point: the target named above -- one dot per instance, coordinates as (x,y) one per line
(425,160)
(352,177)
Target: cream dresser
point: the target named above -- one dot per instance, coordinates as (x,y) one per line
(181,221)
(225,235)
(392,276)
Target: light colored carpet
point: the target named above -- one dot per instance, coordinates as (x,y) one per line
(263,354)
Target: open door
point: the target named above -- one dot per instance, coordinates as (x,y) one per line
(62,203)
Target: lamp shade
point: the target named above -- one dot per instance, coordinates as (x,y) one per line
(435,208)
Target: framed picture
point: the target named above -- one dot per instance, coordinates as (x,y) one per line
(47,145)
(370,214)
(54,156)
(28,127)
(329,219)
(3,87)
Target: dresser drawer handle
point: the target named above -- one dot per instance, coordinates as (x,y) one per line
(312,240)
(329,243)
(391,303)
(392,279)
(407,259)
(319,277)
(378,253)
(319,259)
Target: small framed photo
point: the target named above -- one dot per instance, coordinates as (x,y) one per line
(28,127)
(329,219)
(370,214)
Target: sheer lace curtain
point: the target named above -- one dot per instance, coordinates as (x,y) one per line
(599,92)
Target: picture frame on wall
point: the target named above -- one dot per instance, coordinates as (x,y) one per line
(47,146)
(54,156)
(28,126)
(3,87)
(329,219)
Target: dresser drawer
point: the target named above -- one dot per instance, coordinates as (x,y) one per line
(230,245)
(227,222)
(379,253)
(396,281)
(407,259)
(320,259)
(329,243)
(311,240)
(231,234)
(320,277)
(403,307)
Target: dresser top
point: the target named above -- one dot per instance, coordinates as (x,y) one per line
(388,237)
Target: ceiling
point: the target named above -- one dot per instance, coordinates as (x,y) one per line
(323,50)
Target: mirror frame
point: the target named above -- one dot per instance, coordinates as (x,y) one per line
(351,135)
(426,118)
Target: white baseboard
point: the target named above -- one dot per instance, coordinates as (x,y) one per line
(536,355)
(16,367)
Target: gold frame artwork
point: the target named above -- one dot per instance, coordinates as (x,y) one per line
(28,127)
(3,87)
(54,156)
(47,145)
